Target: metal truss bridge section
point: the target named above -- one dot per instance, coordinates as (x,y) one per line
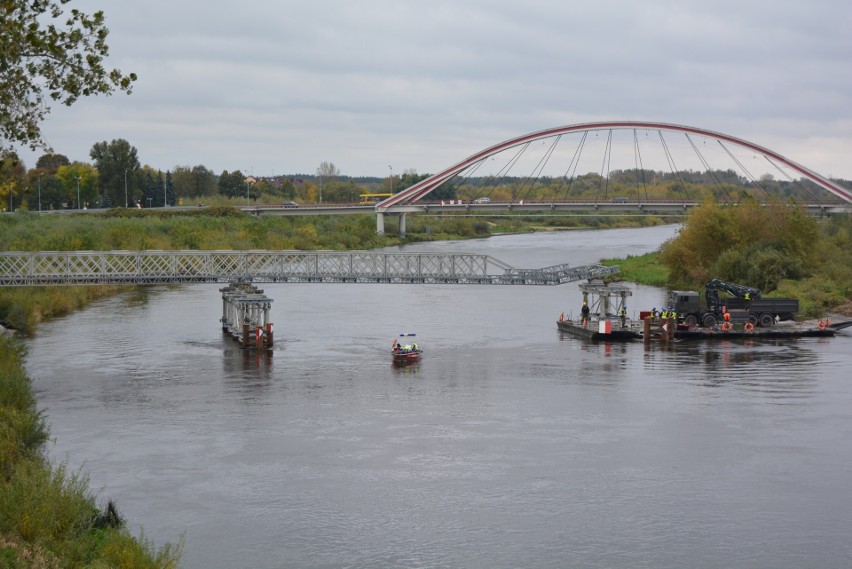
(52,268)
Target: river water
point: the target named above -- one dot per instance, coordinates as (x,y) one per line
(509,445)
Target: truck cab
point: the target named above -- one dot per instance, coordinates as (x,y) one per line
(684,302)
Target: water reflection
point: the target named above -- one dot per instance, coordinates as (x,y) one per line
(405,367)
(782,369)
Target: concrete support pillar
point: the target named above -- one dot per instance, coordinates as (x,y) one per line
(225,306)
(380,224)
(402,225)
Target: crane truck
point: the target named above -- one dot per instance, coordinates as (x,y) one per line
(744,304)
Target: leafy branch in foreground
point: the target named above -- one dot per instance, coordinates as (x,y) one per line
(43,58)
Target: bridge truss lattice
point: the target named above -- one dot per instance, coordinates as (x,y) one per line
(46,268)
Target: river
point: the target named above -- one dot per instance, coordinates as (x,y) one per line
(508,446)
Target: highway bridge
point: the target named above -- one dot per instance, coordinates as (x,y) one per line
(558,152)
(496,208)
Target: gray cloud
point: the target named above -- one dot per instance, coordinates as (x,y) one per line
(280,87)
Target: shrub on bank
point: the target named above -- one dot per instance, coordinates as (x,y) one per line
(48,516)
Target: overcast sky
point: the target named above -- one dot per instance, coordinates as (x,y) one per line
(272,87)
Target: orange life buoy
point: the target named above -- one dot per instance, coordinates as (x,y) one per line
(726,326)
(821,325)
(749,327)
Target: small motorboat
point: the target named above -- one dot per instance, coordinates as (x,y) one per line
(405,351)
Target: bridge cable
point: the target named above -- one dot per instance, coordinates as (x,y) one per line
(704,161)
(504,171)
(540,167)
(640,168)
(672,165)
(457,180)
(794,181)
(607,159)
(573,173)
(743,168)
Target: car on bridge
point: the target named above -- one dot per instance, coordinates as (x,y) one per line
(482,200)
(289,204)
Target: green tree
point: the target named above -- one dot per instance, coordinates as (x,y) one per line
(232,184)
(117,163)
(326,172)
(149,188)
(48,55)
(170,195)
(13,181)
(339,191)
(194,182)
(50,162)
(750,244)
(53,193)
(81,180)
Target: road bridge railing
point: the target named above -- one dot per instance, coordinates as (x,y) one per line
(45,268)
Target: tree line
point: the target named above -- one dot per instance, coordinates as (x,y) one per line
(116,178)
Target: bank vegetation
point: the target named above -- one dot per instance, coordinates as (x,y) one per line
(777,248)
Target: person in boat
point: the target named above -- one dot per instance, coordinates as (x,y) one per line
(414,347)
(654,313)
(623,314)
(585,310)
(407,348)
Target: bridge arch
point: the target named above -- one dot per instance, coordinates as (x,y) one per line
(424,187)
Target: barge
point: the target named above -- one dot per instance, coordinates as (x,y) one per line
(599,318)
(771,332)
(603,319)
(599,330)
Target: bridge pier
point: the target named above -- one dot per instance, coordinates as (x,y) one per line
(380,224)
(245,315)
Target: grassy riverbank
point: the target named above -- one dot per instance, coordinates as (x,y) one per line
(643,269)
(48,516)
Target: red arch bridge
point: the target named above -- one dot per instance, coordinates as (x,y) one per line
(562,153)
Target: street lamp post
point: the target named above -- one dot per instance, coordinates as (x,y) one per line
(78,192)
(391,178)
(125,190)
(164,193)
(39,191)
